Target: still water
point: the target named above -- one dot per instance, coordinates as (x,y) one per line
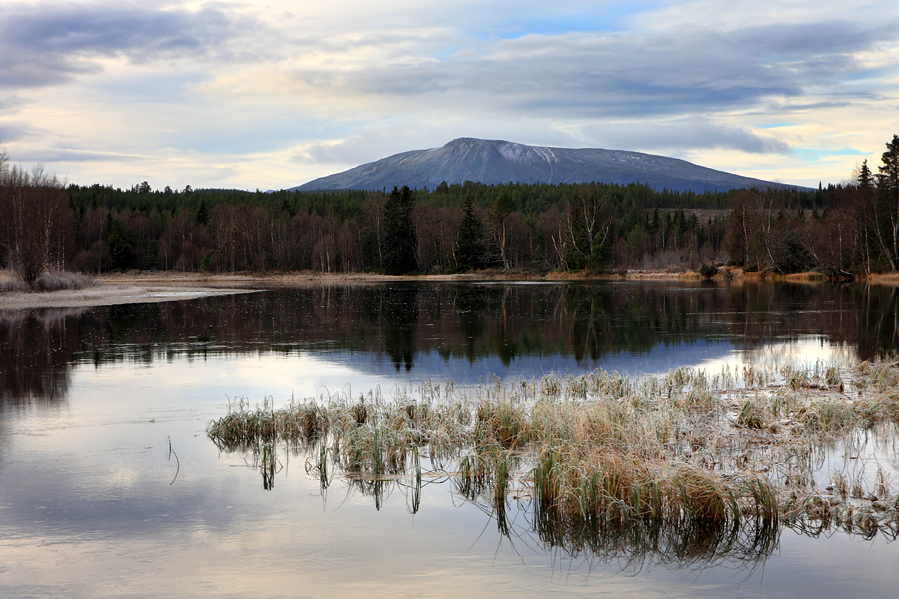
(109,486)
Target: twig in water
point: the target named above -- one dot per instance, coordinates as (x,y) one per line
(177,461)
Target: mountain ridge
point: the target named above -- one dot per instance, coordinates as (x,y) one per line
(500,162)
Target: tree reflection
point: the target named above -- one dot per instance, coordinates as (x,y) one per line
(399,305)
(587,322)
(36,349)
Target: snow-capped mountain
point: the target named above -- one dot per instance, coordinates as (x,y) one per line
(497,162)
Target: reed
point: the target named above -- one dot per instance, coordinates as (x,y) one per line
(683,450)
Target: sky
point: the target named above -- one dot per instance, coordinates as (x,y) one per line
(269,95)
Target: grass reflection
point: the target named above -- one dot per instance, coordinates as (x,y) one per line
(637,545)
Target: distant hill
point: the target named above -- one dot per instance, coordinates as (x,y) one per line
(498,162)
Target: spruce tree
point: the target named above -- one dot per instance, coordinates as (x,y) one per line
(888,176)
(865,179)
(469,248)
(399,243)
(203,213)
(888,202)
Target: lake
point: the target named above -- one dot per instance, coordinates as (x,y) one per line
(110,486)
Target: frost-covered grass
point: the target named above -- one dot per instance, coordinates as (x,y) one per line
(57,280)
(680,451)
(49,280)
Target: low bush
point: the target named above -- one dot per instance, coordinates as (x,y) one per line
(57,280)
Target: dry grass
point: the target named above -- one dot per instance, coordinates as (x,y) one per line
(685,451)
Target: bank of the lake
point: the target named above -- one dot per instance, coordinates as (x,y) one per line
(156,286)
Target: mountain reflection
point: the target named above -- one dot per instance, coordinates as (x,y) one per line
(469,322)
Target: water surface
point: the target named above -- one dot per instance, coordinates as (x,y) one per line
(109,486)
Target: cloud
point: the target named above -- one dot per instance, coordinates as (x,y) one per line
(57,154)
(46,45)
(13,131)
(649,136)
(685,134)
(593,75)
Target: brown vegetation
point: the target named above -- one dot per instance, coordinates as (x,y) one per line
(601,451)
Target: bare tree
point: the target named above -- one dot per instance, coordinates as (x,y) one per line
(37,222)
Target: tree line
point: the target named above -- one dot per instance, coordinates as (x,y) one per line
(847,228)
(855,232)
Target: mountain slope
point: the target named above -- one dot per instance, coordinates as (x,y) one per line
(496,162)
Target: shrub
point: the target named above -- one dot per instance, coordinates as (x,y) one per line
(56,280)
(10,282)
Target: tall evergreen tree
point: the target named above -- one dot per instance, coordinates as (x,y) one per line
(469,248)
(865,179)
(864,215)
(888,202)
(399,242)
(203,212)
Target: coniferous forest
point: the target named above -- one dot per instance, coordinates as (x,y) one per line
(839,229)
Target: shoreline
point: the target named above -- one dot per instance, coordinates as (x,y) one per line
(160,286)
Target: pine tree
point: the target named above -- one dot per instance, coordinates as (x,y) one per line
(399,242)
(469,248)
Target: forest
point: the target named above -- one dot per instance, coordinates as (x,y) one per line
(841,230)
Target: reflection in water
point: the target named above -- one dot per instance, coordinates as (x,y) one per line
(637,546)
(634,545)
(409,322)
(400,314)
(630,545)
(92,482)
(36,354)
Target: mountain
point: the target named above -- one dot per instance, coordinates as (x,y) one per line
(497,162)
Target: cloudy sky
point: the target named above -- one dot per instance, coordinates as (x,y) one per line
(264,94)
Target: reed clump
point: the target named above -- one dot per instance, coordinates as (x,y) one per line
(684,450)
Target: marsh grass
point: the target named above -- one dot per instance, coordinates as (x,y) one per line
(735,454)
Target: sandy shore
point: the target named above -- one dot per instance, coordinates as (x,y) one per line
(145,287)
(108,295)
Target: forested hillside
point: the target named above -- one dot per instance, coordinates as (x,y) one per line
(45,225)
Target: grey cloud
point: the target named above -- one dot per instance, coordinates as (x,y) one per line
(12,132)
(10,102)
(44,45)
(823,38)
(630,75)
(71,155)
(692,133)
